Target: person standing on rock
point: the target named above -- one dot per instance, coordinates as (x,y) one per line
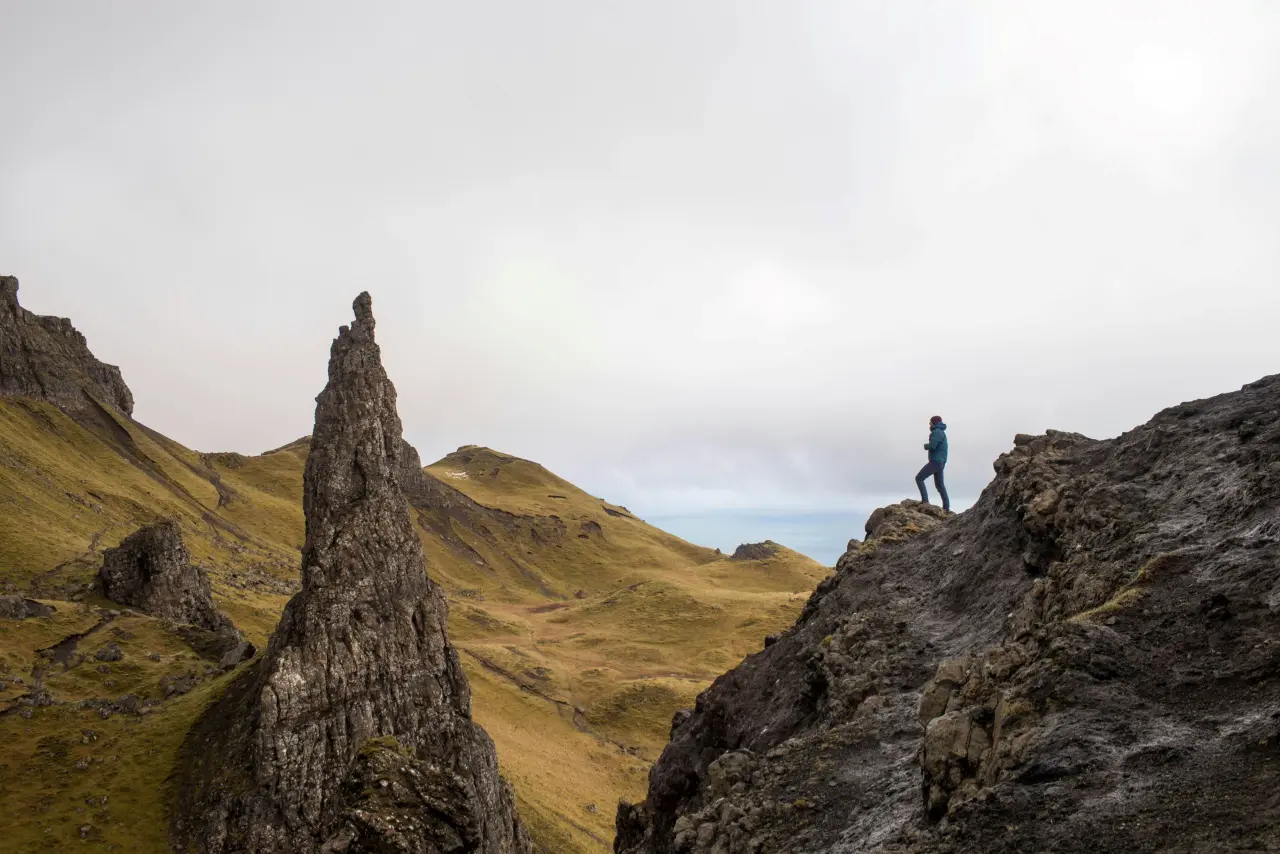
(937,448)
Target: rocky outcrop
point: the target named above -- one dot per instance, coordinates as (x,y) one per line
(151,570)
(396,802)
(1087,660)
(19,608)
(898,522)
(359,690)
(755,551)
(46,358)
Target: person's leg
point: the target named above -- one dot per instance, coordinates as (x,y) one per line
(942,489)
(924,473)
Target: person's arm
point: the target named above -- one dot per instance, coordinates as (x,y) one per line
(935,440)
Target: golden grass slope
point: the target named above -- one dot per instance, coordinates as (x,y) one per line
(582,628)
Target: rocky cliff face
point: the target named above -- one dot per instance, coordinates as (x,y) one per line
(1087,660)
(353,732)
(46,358)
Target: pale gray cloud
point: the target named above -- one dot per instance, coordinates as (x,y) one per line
(697,257)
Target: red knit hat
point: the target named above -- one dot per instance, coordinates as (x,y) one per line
(937,419)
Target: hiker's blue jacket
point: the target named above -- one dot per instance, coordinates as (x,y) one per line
(938,443)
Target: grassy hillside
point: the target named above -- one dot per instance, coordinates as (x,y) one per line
(582,628)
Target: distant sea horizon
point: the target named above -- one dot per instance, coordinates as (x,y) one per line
(823,536)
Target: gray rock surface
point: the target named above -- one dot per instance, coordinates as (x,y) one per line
(46,358)
(151,570)
(755,551)
(109,652)
(1088,660)
(359,681)
(897,522)
(20,608)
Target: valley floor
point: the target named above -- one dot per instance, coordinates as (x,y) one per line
(582,629)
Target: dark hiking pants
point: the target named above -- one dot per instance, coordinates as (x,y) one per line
(935,469)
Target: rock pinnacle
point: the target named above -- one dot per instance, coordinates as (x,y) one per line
(359,677)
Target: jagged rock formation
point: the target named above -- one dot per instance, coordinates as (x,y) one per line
(151,570)
(359,687)
(1086,661)
(46,358)
(755,551)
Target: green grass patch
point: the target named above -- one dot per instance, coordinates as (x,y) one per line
(610,615)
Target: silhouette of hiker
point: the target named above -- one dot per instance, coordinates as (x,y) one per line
(937,448)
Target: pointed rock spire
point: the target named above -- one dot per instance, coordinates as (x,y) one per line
(359,674)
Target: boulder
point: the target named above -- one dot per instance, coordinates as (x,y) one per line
(18,608)
(152,571)
(109,652)
(901,520)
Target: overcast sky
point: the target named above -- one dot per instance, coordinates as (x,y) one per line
(713,260)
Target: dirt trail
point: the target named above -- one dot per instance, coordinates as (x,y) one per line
(42,585)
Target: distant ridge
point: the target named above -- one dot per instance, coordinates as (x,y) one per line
(48,359)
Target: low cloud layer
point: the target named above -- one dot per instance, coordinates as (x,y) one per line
(699,260)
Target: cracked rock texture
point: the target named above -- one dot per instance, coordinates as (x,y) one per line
(359,690)
(151,570)
(1088,660)
(46,358)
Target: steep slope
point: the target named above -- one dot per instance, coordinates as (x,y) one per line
(584,628)
(359,671)
(1086,661)
(581,629)
(69,490)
